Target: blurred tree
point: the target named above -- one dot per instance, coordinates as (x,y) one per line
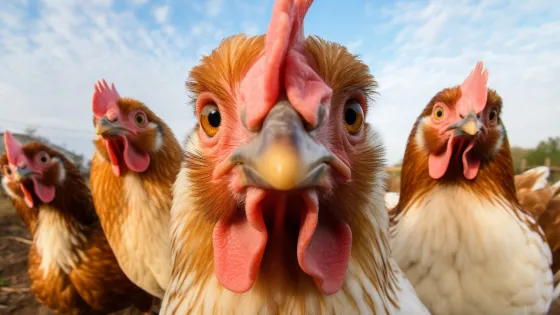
(517,155)
(549,148)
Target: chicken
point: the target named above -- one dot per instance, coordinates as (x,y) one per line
(71,266)
(278,208)
(543,201)
(533,191)
(458,231)
(136,161)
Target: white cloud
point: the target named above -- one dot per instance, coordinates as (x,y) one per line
(103,3)
(439,43)
(250,28)
(49,65)
(354,45)
(214,7)
(139,2)
(161,14)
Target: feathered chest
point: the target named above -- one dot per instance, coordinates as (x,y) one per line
(141,241)
(59,242)
(194,294)
(468,255)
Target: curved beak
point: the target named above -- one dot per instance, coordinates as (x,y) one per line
(469,126)
(22,173)
(105,127)
(283,156)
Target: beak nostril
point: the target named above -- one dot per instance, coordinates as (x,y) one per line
(321,115)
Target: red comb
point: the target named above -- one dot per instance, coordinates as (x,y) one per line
(13,148)
(284,55)
(474,91)
(103,96)
(284,31)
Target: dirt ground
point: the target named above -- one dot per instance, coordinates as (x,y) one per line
(15,297)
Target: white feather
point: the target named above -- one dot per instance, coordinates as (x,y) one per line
(59,242)
(5,182)
(467,255)
(61,170)
(159,136)
(391,199)
(542,173)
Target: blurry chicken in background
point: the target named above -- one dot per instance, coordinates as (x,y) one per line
(543,201)
(458,231)
(533,190)
(136,161)
(71,266)
(279,206)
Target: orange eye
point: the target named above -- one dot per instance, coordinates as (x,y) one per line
(353,117)
(438,113)
(140,119)
(210,119)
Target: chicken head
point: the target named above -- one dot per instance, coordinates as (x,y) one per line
(278,136)
(461,127)
(31,172)
(127,131)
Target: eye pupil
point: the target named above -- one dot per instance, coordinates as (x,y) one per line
(43,159)
(9,171)
(439,113)
(214,118)
(139,119)
(350,116)
(492,115)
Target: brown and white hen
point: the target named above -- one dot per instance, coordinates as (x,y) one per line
(458,231)
(278,207)
(71,265)
(136,161)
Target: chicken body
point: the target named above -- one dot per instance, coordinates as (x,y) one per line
(133,169)
(543,201)
(71,265)
(267,217)
(533,191)
(458,231)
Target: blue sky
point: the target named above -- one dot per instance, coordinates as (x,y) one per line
(53,51)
